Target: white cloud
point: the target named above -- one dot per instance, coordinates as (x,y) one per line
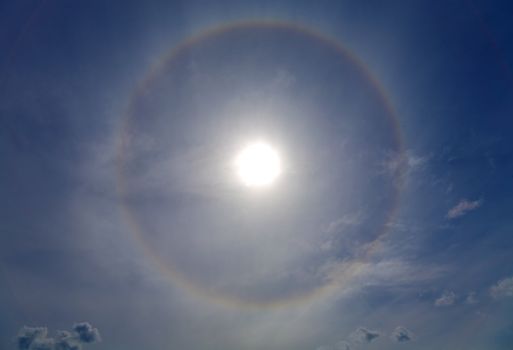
(471,298)
(36,338)
(503,288)
(446,299)
(463,207)
(402,334)
(364,335)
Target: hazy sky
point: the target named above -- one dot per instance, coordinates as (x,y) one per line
(124,224)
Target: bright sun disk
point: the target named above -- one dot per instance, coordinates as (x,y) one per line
(258,165)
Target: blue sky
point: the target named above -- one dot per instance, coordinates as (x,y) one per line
(125,227)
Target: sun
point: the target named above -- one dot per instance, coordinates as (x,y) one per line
(258,165)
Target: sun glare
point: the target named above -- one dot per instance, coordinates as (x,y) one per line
(258,165)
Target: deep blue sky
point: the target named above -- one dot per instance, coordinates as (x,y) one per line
(388,227)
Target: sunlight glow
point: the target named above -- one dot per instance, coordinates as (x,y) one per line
(258,165)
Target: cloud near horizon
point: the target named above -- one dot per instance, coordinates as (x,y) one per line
(36,338)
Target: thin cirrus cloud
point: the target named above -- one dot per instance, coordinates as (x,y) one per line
(448,298)
(463,207)
(503,288)
(36,338)
(403,165)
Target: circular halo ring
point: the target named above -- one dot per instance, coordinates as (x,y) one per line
(178,277)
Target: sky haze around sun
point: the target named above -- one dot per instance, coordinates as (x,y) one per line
(256,175)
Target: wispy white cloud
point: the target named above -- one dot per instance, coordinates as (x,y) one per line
(343,221)
(402,165)
(448,298)
(398,272)
(503,288)
(340,227)
(463,207)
